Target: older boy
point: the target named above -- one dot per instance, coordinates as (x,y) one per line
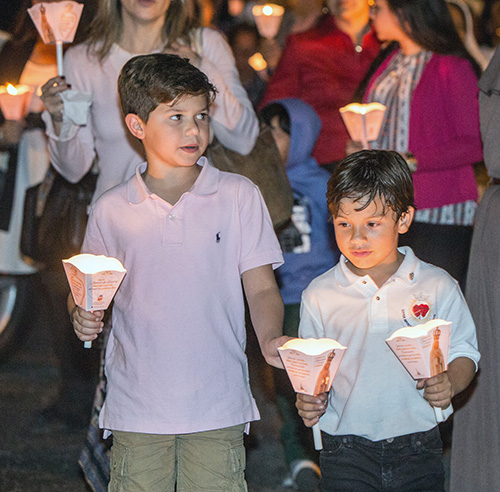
(178,393)
(379,430)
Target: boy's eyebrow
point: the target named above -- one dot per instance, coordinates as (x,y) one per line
(177,109)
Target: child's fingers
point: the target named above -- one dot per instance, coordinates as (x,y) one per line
(310,408)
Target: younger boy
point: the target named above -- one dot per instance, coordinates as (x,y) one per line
(379,427)
(178,396)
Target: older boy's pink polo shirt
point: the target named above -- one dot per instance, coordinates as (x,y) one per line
(175,360)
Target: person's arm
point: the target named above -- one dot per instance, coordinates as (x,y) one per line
(439,390)
(232,116)
(446,133)
(266,311)
(285,81)
(71,148)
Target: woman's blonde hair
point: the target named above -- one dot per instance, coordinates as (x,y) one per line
(107,26)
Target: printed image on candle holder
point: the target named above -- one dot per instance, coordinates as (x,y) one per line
(311,365)
(56,23)
(323,381)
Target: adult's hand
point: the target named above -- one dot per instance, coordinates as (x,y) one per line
(51,97)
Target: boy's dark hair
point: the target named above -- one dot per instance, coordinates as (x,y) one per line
(368,174)
(146,81)
(276,109)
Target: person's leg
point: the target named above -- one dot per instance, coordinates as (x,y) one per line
(350,463)
(212,461)
(415,465)
(142,462)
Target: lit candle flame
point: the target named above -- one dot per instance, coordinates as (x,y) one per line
(11,90)
(257,62)
(267,10)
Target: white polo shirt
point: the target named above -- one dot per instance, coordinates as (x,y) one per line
(373,396)
(175,360)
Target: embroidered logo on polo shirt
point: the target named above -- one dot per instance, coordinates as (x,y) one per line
(217,237)
(419,309)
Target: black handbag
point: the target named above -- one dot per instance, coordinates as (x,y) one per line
(55,217)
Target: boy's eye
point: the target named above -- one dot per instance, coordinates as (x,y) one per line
(202,116)
(373,224)
(175,117)
(342,224)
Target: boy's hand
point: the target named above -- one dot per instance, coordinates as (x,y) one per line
(311,408)
(87,325)
(270,351)
(438,390)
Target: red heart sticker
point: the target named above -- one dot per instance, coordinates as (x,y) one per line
(420,310)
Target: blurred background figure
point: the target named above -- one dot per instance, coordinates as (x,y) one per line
(465,25)
(429,87)
(476,427)
(309,250)
(323,67)
(244,40)
(488,27)
(27,60)
(299,16)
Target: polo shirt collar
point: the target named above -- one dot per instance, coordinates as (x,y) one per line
(406,273)
(206,184)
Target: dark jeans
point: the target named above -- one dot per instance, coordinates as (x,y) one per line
(410,463)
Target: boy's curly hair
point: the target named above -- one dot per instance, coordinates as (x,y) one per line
(146,81)
(368,174)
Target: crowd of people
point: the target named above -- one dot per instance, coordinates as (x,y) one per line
(165,78)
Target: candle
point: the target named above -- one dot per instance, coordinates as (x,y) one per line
(363,121)
(15,101)
(268,19)
(94,280)
(56,23)
(311,365)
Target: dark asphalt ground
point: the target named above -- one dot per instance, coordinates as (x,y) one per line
(35,458)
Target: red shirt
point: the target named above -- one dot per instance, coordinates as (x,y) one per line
(322,67)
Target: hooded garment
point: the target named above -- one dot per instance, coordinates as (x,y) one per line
(308,245)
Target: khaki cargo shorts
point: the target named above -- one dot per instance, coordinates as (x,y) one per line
(211,461)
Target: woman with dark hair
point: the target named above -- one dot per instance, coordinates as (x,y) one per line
(429,87)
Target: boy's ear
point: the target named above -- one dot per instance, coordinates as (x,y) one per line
(135,125)
(405,220)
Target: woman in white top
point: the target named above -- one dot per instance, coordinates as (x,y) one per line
(120,31)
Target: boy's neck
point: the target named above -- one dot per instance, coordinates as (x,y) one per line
(171,185)
(380,274)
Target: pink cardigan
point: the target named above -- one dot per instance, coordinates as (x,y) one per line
(444,131)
